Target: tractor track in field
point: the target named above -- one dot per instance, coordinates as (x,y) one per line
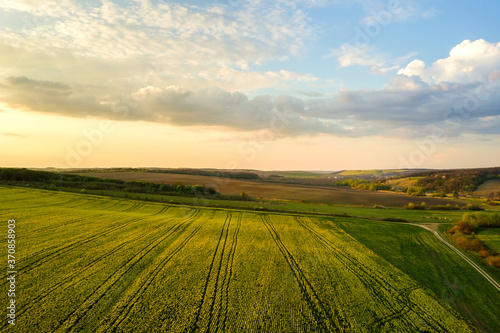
(62,202)
(217,277)
(77,272)
(363,274)
(321,315)
(35,254)
(73,245)
(113,325)
(194,326)
(366,277)
(229,273)
(95,204)
(45,229)
(100,291)
(134,206)
(163,210)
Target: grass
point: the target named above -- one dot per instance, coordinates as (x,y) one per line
(418,253)
(92,263)
(490,237)
(339,195)
(416,216)
(291,206)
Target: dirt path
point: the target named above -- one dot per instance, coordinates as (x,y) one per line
(432,227)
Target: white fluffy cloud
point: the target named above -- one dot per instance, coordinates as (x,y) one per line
(145,43)
(469,61)
(250,33)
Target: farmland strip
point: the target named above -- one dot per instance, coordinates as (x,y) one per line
(78,272)
(133,207)
(207,280)
(70,246)
(98,293)
(152,276)
(229,275)
(163,210)
(367,279)
(321,315)
(216,287)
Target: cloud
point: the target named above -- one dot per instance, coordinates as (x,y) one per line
(310,93)
(250,33)
(407,106)
(381,64)
(397,11)
(47,87)
(195,46)
(51,97)
(469,61)
(15,135)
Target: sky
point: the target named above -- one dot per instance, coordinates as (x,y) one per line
(250,84)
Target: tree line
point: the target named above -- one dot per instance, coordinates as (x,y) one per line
(463,234)
(54,181)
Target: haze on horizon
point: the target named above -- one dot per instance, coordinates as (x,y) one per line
(250,84)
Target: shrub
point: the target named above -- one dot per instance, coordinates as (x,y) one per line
(494,261)
(482,220)
(444,207)
(468,243)
(393,219)
(485,254)
(470,206)
(412,206)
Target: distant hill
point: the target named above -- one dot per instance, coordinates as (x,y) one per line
(378,173)
(460,180)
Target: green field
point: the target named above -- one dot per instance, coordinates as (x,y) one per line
(294,207)
(339,195)
(90,263)
(490,237)
(416,252)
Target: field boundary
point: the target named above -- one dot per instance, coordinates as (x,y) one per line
(490,279)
